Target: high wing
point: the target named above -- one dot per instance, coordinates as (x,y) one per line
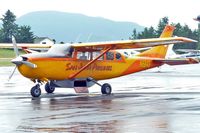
(131,44)
(25,45)
(122,44)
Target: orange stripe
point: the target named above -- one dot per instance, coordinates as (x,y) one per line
(138,65)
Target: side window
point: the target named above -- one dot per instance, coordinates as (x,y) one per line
(83,55)
(118,56)
(96,54)
(110,56)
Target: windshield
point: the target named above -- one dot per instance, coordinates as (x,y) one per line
(61,50)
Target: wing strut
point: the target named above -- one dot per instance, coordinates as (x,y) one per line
(89,63)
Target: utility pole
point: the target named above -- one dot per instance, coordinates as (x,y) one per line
(198,19)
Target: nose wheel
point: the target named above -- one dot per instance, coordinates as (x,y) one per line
(36,91)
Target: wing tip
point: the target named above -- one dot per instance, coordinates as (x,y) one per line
(185,39)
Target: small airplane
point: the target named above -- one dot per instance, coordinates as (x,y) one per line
(188,53)
(185,53)
(81,65)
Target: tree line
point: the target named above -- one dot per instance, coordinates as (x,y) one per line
(23,34)
(181,30)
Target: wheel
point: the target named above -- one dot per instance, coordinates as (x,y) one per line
(106,89)
(48,88)
(36,91)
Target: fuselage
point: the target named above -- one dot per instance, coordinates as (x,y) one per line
(61,68)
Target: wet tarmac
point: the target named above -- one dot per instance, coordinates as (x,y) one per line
(146,102)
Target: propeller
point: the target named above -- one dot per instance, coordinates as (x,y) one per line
(16,54)
(12,73)
(19,60)
(15,46)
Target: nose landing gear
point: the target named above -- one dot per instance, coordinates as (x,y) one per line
(36,91)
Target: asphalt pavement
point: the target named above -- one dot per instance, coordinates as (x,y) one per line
(166,101)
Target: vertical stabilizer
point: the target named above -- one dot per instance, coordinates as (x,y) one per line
(170,52)
(160,51)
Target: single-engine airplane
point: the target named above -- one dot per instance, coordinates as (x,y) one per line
(81,65)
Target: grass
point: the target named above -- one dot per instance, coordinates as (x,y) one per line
(6,55)
(5,62)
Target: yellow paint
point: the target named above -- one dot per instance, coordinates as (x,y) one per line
(145,63)
(62,69)
(159,51)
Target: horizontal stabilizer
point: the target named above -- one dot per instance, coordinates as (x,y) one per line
(177,61)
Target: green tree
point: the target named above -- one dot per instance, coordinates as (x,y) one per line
(152,32)
(161,25)
(185,31)
(1,36)
(9,27)
(147,33)
(180,30)
(24,34)
(134,35)
(198,33)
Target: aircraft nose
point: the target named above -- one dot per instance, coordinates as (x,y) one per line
(17,61)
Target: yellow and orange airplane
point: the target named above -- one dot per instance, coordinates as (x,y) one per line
(81,65)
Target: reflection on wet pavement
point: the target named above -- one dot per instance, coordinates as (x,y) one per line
(145,102)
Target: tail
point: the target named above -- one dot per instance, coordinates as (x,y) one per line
(159,51)
(170,52)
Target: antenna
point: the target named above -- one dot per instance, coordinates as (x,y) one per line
(77,38)
(89,37)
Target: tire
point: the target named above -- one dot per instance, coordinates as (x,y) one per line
(106,89)
(35,91)
(48,88)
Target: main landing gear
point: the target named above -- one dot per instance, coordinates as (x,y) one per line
(49,88)
(105,88)
(36,91)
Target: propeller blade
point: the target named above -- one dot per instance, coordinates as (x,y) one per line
(15,46)
(12,73)
(19,61)
(29,64)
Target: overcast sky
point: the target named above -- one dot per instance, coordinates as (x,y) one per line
(144,12)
